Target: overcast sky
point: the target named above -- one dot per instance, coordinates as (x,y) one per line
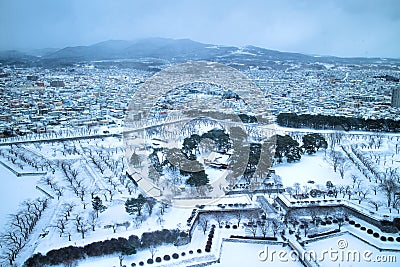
(325,27)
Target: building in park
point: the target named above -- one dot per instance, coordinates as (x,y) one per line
(396,97)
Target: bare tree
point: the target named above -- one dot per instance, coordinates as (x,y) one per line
(306,189)
(252,226)
(314,212)
(296,187)
(239,216)
(60,225)
(114,227)
(69,234)
(110,191)
(342,166)
(376,204)
(150,203)
(84,204)
(203,222)
(121,258)
(93,219)
(354,179)
(83,229)
(11,246)
(358,184)
(19,222)
(48,180)
(94,191)
(138,221)
(59,191)
(342,190)
(340,219)
(362,195)
(335,138)
(81,226)
(78,221)
(14,238)
(160,218)
(389,187)
(374,188)
(218,216)
(82,191)
(74,173)
(264,227)
(163,207)
(396,204)
(349,193)
(153,250)
(68,208)
(131,188)
(276,226)
(336,157)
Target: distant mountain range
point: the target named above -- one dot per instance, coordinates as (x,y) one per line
(175,50)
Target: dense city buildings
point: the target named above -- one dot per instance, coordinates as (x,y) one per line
(396,97)
(39,99)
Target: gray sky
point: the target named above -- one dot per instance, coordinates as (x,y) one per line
(326,27)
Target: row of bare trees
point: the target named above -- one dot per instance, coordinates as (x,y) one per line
(21,225)
(387,182)
(22,157)
(76,132)
(264,226)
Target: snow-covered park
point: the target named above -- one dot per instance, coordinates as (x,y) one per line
(76,173)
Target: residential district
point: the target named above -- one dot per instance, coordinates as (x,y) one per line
(39,99)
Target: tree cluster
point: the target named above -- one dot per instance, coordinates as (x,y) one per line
(196,179)
(287,147)
(121,245)
(334,122)
(97,205)
(313,142)
(191,144)
(134,206)
(247,118)
(159,237)
(185,158)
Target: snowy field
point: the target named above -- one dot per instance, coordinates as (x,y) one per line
(352,244)
(13,191)
(246,254)
(310,168)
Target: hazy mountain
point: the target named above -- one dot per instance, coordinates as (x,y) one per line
(151,47)
(177,50)
(164,48)
(15,57)
(104,50)
(41,52)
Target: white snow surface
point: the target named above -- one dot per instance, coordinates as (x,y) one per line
(13,191)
